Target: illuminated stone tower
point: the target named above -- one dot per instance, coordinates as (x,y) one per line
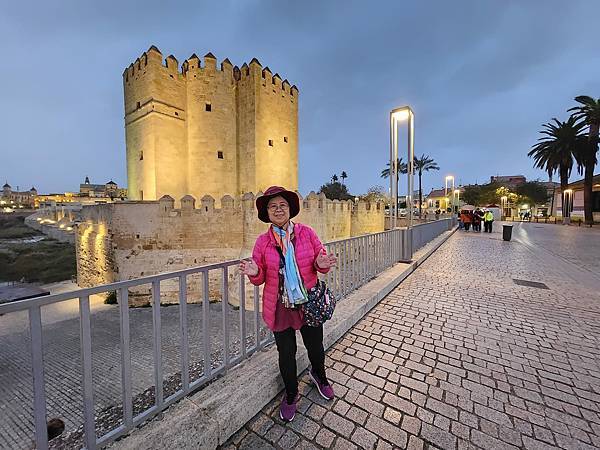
(198,129)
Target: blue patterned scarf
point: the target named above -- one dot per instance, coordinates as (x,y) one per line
(293,284)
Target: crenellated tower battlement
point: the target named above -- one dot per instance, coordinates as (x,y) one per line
(204,127)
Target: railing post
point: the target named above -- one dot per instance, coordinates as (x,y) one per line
(242,315)
(257,317)
(86,361)
(158,373)
(183,327)
(37,364)
(225,311)
(206,324)
(125,357)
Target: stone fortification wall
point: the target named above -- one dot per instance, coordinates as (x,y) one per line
(127,240)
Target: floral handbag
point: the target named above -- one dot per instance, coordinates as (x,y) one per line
(320,305)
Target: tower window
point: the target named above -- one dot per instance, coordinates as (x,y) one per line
(220,155)
(176,113)
(141,156)
(270,142)
(138,105)
(285,139)
(208,107)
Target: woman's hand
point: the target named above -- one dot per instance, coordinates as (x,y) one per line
(249,267)
(325,261)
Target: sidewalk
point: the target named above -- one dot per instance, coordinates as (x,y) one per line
(460,356)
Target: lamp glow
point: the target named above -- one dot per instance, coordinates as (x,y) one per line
(401,114)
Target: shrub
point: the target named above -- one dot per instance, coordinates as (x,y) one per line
(111,298)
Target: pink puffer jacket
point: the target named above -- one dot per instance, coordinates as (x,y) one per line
(307,247)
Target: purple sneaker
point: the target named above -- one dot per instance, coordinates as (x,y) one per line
(287,411)
(325,389)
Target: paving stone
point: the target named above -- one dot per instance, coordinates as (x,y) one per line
(393,416)
(441,438)
(411,425)
(343,444)
(382,445)
(364,438)
(387,431)
(288,440)
(442,408)
(304,426)
(357,415)
(400,404)
(254,442)
(533,444)
(324,438)
(275,433)
(338,424)
(260,424)
(316,412)
(486,441)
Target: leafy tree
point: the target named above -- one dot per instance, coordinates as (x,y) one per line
(375,194)
(556,148)
(589,112)
(343,176)
(533,192)
(423,164)
(472,194)
(485,194)
(336,191)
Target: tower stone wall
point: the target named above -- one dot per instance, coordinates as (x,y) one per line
(207,129)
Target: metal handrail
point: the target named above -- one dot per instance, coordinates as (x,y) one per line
(360,259)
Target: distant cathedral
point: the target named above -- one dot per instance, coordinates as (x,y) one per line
(204,130)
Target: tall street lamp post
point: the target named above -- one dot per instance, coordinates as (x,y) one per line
(449,178)
(457,207)
(396,116)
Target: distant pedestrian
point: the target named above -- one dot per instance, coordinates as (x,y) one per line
(488,220)
(466,218)
(286,258)
(477,219)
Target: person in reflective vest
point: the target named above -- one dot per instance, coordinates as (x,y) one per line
(488,220)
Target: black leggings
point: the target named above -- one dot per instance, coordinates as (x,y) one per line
(286,346)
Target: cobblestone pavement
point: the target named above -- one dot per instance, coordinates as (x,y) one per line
(458,357)
(579,245)
(62,363)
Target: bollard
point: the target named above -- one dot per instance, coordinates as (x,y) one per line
(507,232)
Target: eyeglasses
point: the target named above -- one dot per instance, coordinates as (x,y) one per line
(281,206)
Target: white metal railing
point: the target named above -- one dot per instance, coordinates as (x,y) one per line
(426,232)
(360,259)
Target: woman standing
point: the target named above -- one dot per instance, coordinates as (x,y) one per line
(286,259)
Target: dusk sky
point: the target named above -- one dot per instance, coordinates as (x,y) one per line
(481,76)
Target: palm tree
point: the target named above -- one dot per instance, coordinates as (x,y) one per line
(385,173)
(334,178)
(423,164)
(589,111)
(555,150)
(402,168)
(343,176)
